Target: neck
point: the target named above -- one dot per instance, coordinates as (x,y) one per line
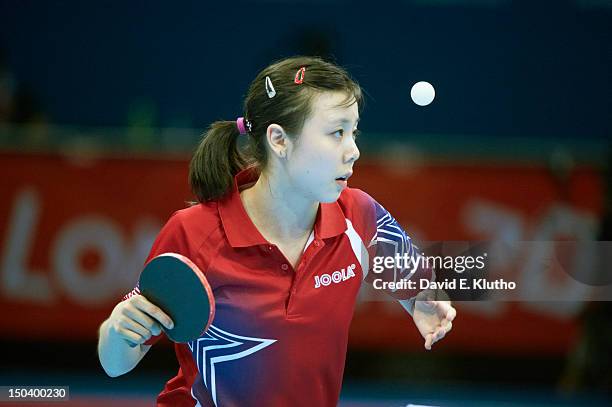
(278,212)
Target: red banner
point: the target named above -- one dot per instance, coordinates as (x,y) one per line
(75,232)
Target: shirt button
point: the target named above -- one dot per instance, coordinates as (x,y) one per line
(316,243)
(285,266)
(270,248)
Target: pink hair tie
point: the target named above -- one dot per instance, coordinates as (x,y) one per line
(240,125)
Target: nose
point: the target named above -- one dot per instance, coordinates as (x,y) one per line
(352,151)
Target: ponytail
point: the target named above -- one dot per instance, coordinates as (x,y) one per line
(215,162)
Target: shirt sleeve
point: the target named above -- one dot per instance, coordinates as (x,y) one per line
(394,258)
(171,238)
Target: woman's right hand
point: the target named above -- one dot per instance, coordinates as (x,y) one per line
(136,320)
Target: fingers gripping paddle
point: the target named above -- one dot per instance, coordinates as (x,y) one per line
(177,286)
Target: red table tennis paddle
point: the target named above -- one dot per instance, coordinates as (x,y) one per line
(177,286)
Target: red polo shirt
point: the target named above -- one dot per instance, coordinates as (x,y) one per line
(279,336)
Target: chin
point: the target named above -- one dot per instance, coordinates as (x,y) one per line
(327,195)
(331,197)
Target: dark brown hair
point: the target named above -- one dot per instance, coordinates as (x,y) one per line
(218,156)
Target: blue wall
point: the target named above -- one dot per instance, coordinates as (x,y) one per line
(509,68)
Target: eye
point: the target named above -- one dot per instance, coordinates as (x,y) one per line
(356,134)
(338,133)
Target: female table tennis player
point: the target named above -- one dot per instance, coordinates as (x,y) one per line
(284,244)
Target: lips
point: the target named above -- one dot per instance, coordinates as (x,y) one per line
(342,180)
(344,177)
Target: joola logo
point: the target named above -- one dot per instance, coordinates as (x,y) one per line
(335,277)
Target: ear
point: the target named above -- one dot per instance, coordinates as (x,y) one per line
(277,140)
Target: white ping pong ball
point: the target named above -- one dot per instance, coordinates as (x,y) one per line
(422,93)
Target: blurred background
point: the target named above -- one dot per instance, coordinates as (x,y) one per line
(101,104)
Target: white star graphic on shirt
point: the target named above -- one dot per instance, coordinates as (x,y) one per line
(215,338)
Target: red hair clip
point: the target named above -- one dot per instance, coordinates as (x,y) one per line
(299,75)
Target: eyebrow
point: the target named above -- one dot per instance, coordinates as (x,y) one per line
(343,120)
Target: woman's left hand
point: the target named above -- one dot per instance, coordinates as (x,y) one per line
(434,319)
